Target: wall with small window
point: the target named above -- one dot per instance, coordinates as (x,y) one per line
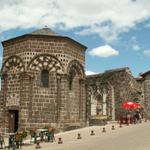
(45,78)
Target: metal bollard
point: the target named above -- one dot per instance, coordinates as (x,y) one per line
(104,130)
(37,145)
(120,126)
(92,132)
(79,136)
(113,127)
(60,141)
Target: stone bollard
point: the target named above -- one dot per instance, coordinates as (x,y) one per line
(37,145)
(60,141)
(79,136)
(104,130)
(113,127)
(92,132)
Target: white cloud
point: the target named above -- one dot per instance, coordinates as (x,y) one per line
(136,47)
(104,51)
(106,18)
(88,72)
(147,25)
(135,44)
(108,32)
(147,53)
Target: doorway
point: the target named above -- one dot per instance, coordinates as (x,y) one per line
(13,120)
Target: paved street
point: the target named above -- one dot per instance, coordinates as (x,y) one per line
(133,137)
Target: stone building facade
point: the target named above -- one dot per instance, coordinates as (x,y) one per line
(144,81)
(43,82)
(107,91)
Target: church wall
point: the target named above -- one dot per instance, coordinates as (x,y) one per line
(25,108)
(51,106)
(73,102)
(126,89)
(119,85)
(28,47)
(145,84)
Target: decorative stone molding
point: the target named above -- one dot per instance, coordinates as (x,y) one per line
(45,61)
(13,63)
(75,65)
(12,100)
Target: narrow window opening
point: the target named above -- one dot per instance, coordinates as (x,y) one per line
(45,78)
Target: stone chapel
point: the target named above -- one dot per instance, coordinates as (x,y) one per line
(43,82)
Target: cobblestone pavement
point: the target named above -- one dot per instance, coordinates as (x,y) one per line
(132,137)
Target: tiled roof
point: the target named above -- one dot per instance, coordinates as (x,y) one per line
(44,31)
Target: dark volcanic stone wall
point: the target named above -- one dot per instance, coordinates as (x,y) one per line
(63,102)
(144,81)
(117,86)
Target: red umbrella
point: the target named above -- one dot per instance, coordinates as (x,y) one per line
(134,106)
(138,106)
(128,105)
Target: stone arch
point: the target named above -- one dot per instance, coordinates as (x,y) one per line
(96,102)
(75,74)
(45,61)
(13,61)
(75,66)
(74,69)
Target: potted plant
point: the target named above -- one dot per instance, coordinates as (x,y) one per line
(24,134)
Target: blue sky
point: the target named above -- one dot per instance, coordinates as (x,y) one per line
(117,33)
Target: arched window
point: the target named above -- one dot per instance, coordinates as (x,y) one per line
(99,105)
(45,78)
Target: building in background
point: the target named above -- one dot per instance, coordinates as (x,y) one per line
(107,91)
(144,81)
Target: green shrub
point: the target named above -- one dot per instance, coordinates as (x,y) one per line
(24,134)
